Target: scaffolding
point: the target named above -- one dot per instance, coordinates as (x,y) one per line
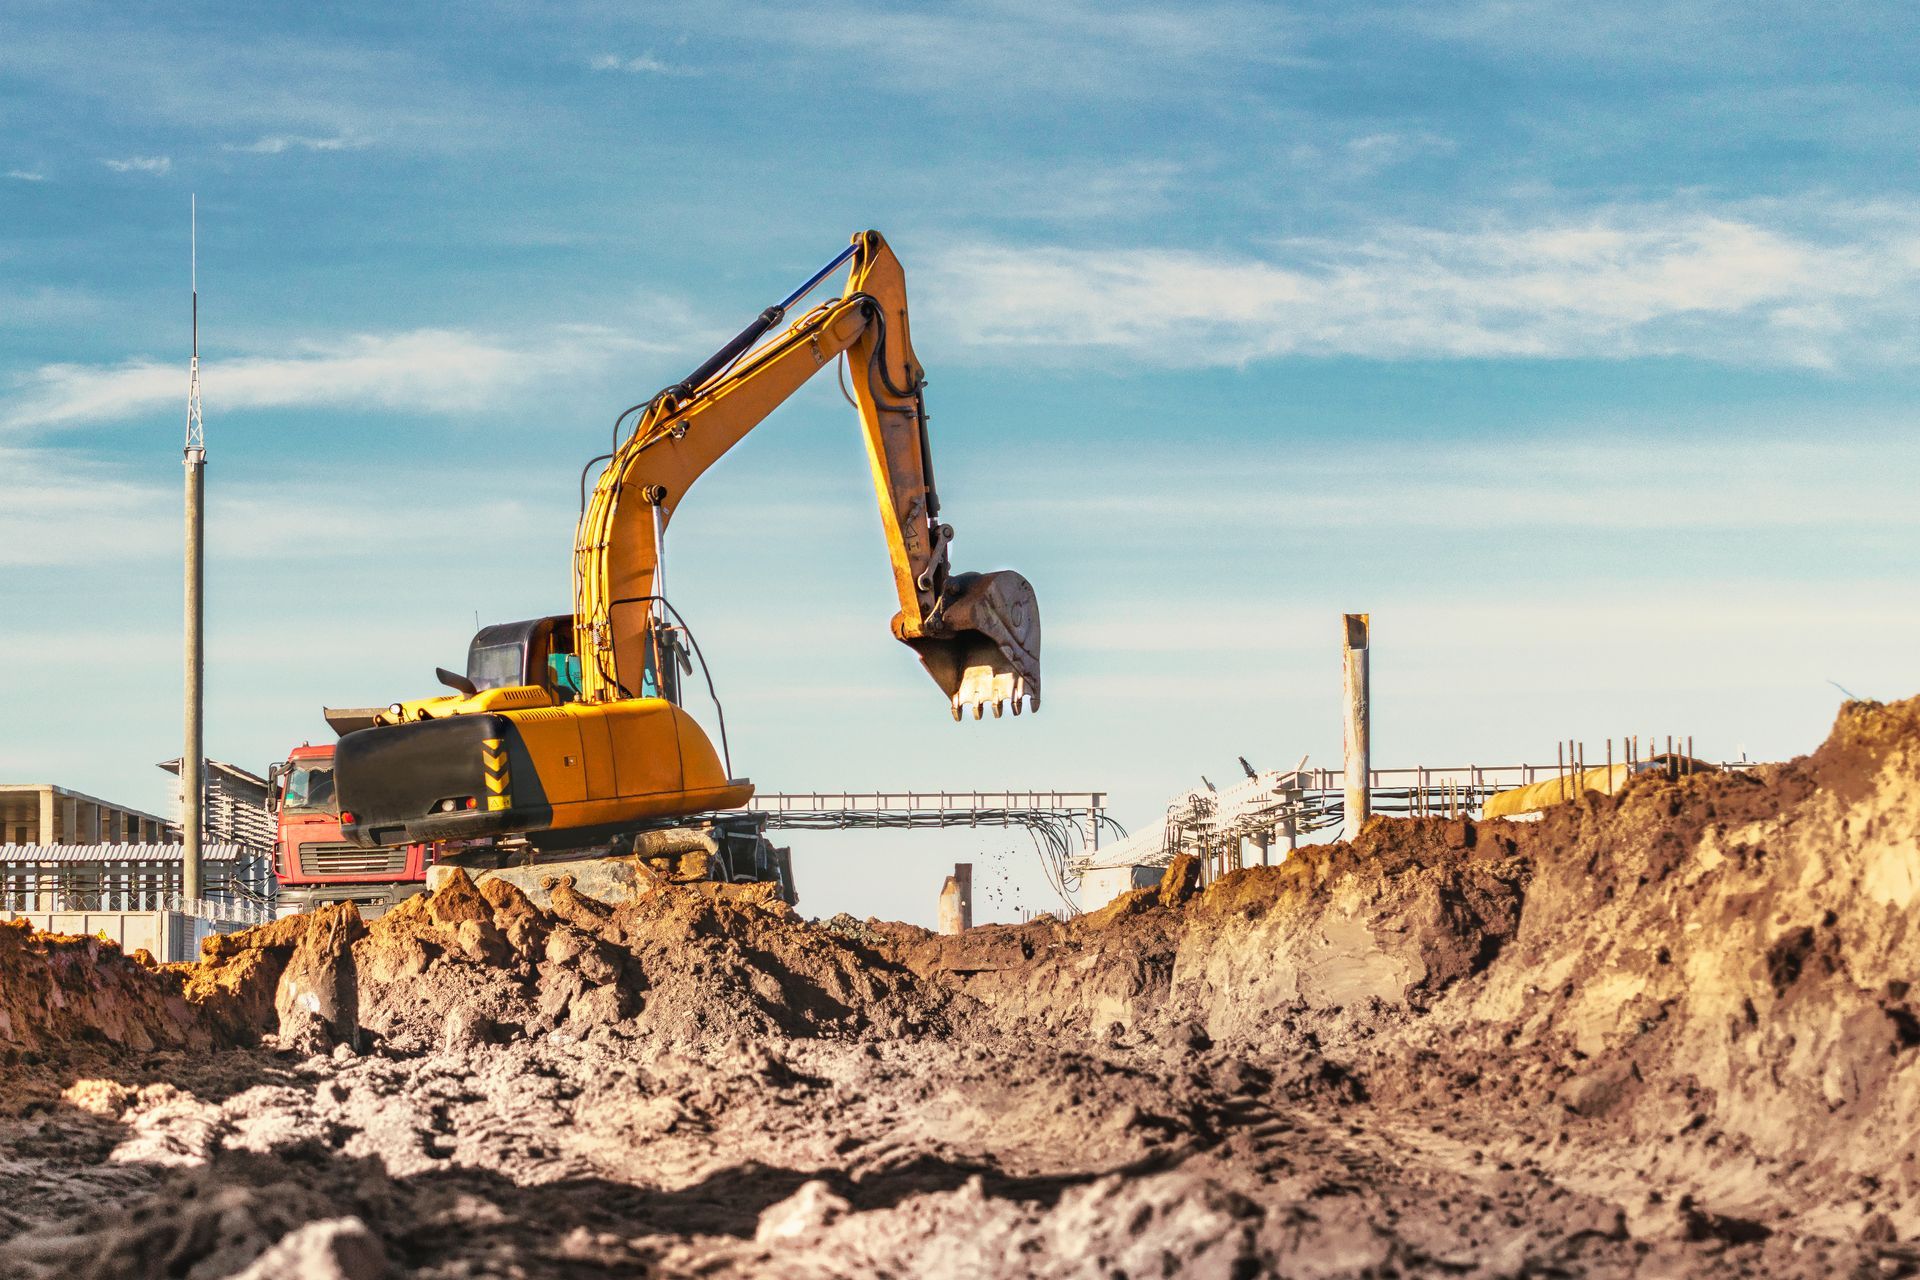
(233,805)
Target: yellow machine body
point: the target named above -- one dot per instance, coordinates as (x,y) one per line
(510,760)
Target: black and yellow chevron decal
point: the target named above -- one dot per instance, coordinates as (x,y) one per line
(493,761)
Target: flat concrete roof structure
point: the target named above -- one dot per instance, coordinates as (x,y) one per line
(39,813)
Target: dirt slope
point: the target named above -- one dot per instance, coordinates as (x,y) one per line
(1660,1033)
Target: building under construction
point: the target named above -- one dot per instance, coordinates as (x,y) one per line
(39,813)
(72,863)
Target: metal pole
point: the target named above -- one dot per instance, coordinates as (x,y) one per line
(1355,629)
(193,755)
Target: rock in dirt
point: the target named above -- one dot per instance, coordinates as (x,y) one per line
(332,1249)
(318,993)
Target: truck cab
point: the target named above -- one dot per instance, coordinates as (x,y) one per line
(314,863)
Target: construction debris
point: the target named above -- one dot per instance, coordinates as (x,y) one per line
(1666,1031)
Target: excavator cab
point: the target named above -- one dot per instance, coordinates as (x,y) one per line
(538,652)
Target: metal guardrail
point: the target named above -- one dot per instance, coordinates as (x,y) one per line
(955,802)
(1061,823)
(1286,805)
(232,912)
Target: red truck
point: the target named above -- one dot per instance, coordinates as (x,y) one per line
(314,863)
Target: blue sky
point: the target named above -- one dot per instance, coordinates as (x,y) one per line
(1578,347)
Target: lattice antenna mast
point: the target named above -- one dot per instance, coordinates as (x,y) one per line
(196,430)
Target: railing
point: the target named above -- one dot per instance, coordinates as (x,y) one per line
(959,803)
(1284,806)
(1062,824)
(228,912)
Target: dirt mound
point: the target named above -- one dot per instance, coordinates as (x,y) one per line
(62,995)
(473,963)
(1720,967)
(1661,1032)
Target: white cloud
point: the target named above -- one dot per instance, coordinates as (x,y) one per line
(1602,482)
(645,64)
(275,144)
(1112,50)
(67,509)
(1628,283)
(26,175)
(155,165)
(425,370)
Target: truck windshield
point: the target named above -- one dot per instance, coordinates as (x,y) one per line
(496,666)
(310,789)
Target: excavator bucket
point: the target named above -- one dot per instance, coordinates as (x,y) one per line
(981,643)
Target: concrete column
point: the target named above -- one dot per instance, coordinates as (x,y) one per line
(69,820)
(193,757)
(45,833)
(956,899)
(1355,636)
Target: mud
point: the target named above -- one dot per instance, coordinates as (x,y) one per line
(1668,1032)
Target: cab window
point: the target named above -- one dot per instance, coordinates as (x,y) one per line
(310,790)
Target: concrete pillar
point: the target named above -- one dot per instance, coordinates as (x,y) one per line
(193,758)
(44,834)
(1356,631)
(956,899)
(69,820)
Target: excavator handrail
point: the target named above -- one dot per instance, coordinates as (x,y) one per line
(720,712)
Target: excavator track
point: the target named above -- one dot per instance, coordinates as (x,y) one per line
(729,848)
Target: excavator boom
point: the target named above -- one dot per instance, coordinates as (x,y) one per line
(978,635)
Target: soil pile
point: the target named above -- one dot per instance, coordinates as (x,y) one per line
(1667,1031)
(677,967)
(60,995)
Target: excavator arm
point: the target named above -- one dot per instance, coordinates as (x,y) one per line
(978,635)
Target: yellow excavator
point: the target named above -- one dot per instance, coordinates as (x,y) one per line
(566,732)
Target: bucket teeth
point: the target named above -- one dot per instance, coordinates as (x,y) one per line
(982,644)
(1019,703)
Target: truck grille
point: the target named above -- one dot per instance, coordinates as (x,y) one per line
(343,859)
